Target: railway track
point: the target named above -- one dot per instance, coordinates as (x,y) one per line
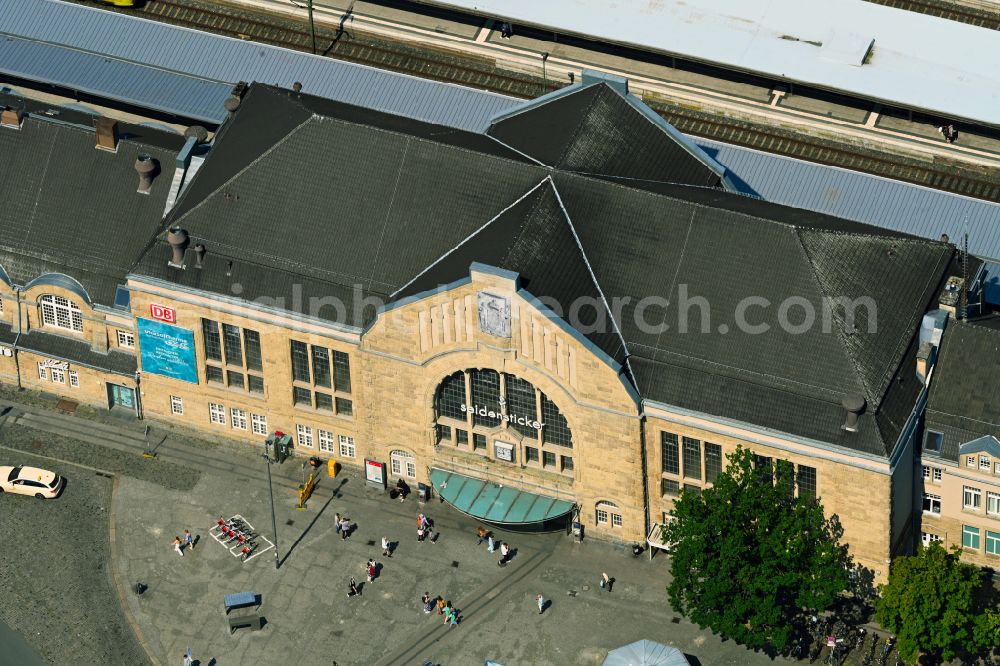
(984,17)
(944,174)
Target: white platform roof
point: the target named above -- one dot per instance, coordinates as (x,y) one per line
(915,61)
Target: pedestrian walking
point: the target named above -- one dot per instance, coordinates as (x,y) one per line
(177,546)
(504,554)
(421,534)
(481,535)
(188,540)
(454,616)
(605,582)
(352,589)
(429,603)
(540,600)
(188,661)
(336,520)
(425,522)
(345,529)
(370,568)
(386,547)
(440,605)
(447,611)
(490,543)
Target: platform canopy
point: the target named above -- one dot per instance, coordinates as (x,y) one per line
(495,503)
(646,653)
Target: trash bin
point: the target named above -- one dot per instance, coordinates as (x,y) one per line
(423,492)
(578,531)
(283,447)
(331,467)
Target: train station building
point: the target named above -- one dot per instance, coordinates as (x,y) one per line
(569,316)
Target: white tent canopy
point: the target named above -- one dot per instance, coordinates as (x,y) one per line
(646,653)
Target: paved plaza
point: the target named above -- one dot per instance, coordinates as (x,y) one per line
(308,615)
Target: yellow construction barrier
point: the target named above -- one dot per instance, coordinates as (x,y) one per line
(331,467)
(306,490)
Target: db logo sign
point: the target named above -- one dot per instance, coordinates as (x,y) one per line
(163,313)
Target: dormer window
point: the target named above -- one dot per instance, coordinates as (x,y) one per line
(984,463)
(62,313)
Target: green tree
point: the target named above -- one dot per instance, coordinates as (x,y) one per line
(930,603)
(748,557)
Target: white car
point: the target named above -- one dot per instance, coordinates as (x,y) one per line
(30,481)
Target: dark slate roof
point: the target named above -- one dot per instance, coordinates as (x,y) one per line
(964,403)
(70,208)
(595,129)
(72,350)
(535,239)
(300,199)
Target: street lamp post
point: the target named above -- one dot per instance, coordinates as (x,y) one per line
(270,489)
(312,27)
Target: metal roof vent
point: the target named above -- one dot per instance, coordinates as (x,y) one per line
(199,255)
(146,167)
(197,132)
(107,134)
(232,103)
(945,239)
(178,239)
(855,405)
(11,117)
(297,87)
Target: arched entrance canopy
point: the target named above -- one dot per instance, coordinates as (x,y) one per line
(494,503)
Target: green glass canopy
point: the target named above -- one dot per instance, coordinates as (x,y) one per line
(494,503)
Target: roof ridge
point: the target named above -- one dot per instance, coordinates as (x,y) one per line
(273,147)
(586,262)
(574,133)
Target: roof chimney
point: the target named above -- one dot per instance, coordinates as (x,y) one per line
(297,87)
(107,134)
(11,117)
(197,132)
(232,103)
(854,404)
(199,255)
(145,166)
(178,240)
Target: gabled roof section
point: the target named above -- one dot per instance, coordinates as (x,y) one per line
(986,444)
(534,238)
(595,129)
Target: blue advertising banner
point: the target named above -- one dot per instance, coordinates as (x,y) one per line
(167,350)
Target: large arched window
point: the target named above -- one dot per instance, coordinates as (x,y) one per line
(497,398)
(61,312)
(608,513)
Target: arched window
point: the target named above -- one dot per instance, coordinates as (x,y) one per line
(403,464)
(608,513)
(61,313)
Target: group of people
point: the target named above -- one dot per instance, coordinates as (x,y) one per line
(424,529)
(186,543)
(343,526)
(949,132)
(491,545)
(444,608)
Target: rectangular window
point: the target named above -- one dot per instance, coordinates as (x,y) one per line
(669,453)
(321,366)
(232,343)
(325,440)
(234,379)
(984,463)
(530,454)
(478,441)
(74,379)
(176,406)
(996,468)
(993,542)
(347,449)
(213,374)
(927,538)
(301,397)
(616,520)
(669,488)
(970,461)
(300,362)
(764,467)
(305,436)
(548,459)
(126,339)
(345,407)
(256,384)
(602,516)
(971,498)
(937,474)
(932,503)
(806,478)
(342,372)
(933,441)
(993,504)
(692,458)
(324,401)
(713,461)
(216,413)
(444,433)
(238,418)
(692,488)
(213,344)
(258,422)
(566,463)
(926,472)
(43,371)
(251,343)
(58,375)
(462,437)
(970,537)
